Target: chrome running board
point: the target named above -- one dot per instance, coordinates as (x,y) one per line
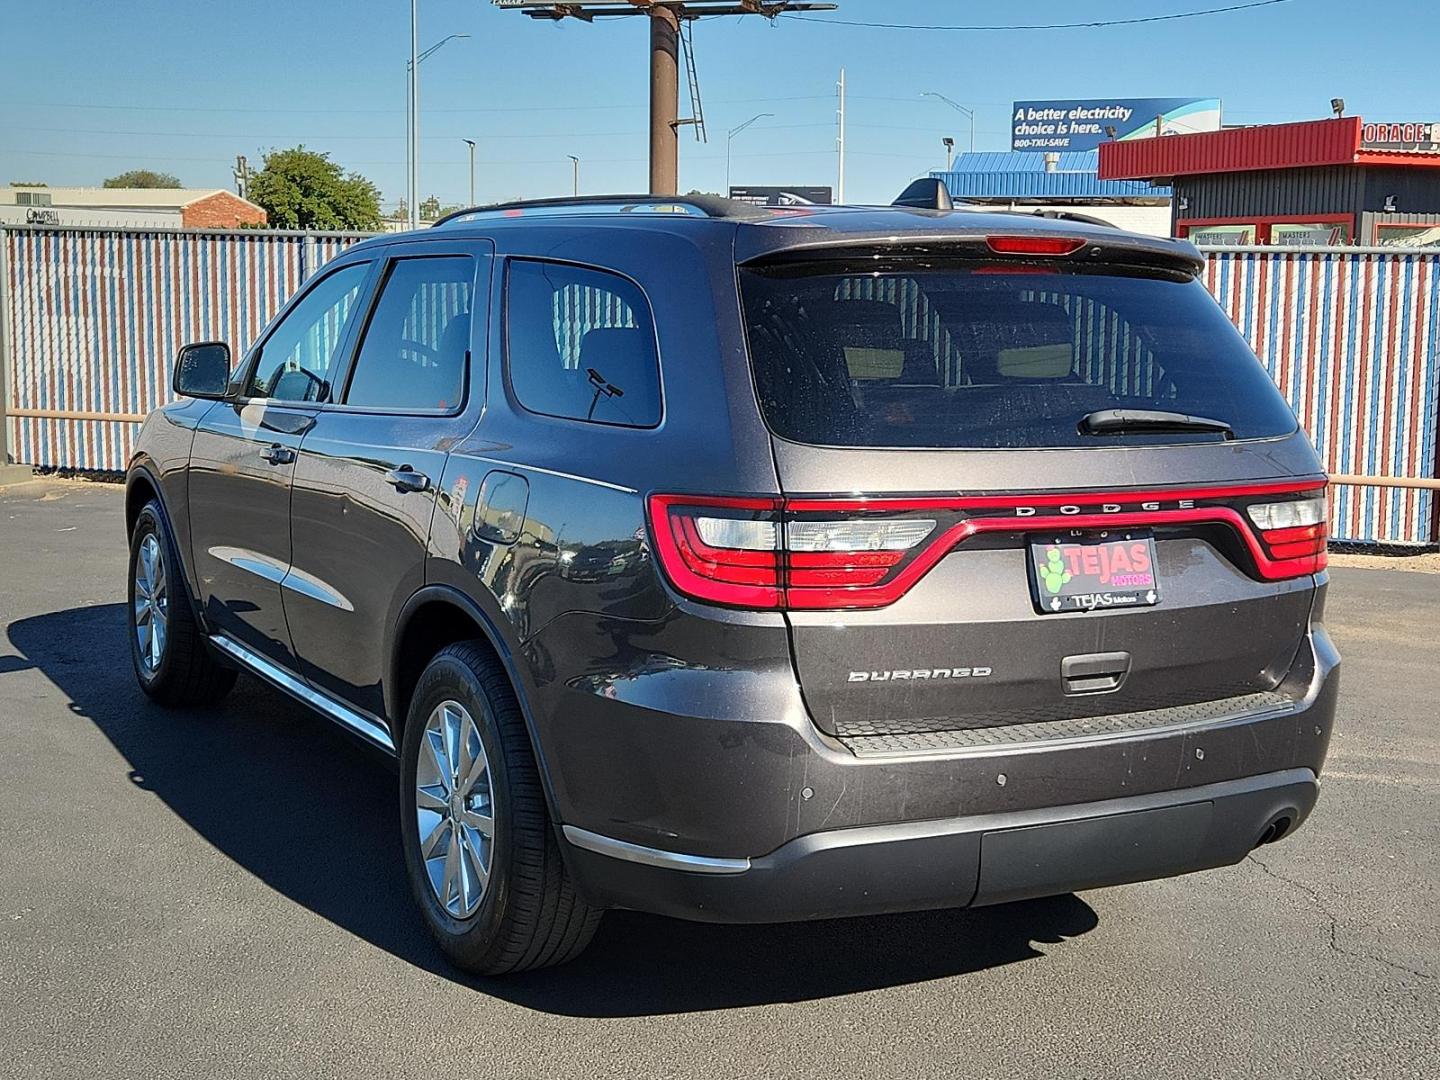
(371,730)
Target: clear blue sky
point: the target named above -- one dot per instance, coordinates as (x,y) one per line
(91,89)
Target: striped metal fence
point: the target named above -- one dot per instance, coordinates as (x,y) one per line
(91,319)
(1352,338)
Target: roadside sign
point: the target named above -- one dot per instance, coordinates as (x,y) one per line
(1084,125)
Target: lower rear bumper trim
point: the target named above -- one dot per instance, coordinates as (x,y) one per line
(960,862)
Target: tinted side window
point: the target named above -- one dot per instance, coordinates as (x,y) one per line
(580,344)
(296,360)
(414,349)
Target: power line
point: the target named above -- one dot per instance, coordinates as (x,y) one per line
(478,164)
(291,111)
(1042,26)
(337,137)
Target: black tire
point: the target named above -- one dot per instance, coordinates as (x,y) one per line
(188,673)
(529,915)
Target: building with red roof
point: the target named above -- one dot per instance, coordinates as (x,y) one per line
(1338,181)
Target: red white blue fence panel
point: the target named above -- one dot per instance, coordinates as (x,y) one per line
(1353,341)
(93,319)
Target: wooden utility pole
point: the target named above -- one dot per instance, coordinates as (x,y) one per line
(665,18)
(664,100)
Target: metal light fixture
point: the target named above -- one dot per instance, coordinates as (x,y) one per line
(471,144)
(1391,204)
(730,138)
(1337,106)
(949,145)
(958,108)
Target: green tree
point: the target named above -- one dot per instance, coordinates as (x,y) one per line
(432,209)
(143,178)
(27,183)
(303,189)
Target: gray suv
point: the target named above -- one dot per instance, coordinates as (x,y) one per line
(749,565)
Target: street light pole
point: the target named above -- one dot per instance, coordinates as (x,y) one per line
(412,113)
(575,169)
(730,138)
(840,143)
(471,144)
(958,108)
(413,184)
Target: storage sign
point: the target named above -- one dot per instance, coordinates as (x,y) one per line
(1084,125)
(1416,137)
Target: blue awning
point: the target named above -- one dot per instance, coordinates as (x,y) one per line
(1022,175)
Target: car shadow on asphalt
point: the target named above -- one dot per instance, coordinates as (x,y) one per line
(312,814)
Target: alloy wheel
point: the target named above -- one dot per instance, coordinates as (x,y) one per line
(152,604)
(455,809)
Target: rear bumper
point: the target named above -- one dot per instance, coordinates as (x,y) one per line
(966,861)
(713,818)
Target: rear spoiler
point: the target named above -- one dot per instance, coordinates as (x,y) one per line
(864,250)
(962,232)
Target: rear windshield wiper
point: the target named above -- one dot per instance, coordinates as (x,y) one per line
(1119,421)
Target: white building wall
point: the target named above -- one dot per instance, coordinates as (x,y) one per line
(1148,220)
(89,215)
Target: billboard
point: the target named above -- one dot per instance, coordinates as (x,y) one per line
(784,196)
(1082,125)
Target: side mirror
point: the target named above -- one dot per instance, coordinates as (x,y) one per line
(202,370)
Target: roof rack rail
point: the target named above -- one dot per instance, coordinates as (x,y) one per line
(711,206)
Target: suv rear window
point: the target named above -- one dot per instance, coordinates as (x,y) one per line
(995,356)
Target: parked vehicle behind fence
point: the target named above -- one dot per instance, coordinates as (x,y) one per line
(747,564)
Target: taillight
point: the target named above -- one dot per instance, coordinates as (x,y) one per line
(842,553)
(1294,533)
(726,551)
(1034,245)
(751,553)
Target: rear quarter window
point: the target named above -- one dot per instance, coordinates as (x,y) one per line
(580,344)
(995,356)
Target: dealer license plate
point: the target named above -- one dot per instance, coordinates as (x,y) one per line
(1093,573)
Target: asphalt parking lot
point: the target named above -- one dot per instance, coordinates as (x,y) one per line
(221,894)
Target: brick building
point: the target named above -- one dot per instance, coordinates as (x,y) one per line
(175,208)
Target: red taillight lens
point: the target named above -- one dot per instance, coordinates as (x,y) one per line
(716,549)
(1034,245)
(751,553)
(1294,534)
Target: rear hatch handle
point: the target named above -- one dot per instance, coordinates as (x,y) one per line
(1094,673)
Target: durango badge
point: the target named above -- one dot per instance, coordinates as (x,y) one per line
(920,673)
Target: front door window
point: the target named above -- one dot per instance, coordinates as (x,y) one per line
(297,360)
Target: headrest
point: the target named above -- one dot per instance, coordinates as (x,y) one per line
(625,358)
(456,337)
(622,354)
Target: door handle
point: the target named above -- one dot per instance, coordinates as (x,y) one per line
(276,454)
(406,479)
